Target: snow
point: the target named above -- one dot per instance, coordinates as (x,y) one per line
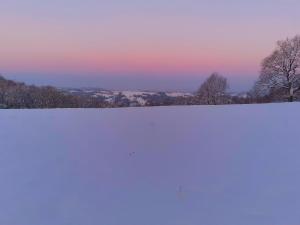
(134,97)
(137,96)
(196,165)
(130,94)
(178,94)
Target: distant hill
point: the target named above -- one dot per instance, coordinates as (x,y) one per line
(131,98)
(19,95)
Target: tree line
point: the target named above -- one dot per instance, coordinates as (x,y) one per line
(19,95)
(279,79)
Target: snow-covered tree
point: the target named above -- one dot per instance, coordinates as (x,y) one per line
(213,90)
(281,70)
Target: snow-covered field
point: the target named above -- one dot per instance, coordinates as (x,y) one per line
(206,165)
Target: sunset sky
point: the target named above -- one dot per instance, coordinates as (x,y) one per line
(139,44)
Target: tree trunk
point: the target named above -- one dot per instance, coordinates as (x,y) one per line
(291,98)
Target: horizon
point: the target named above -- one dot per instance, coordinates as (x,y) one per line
(131,45)
(120,83)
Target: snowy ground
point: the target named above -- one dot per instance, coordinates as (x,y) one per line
(225,165)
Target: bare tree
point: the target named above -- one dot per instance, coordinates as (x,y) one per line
(19,95)
(281,70)
(213,90)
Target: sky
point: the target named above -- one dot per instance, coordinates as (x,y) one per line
(131,44)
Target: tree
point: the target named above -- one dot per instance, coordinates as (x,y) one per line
(280,71)
(213,90)
(19,95)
